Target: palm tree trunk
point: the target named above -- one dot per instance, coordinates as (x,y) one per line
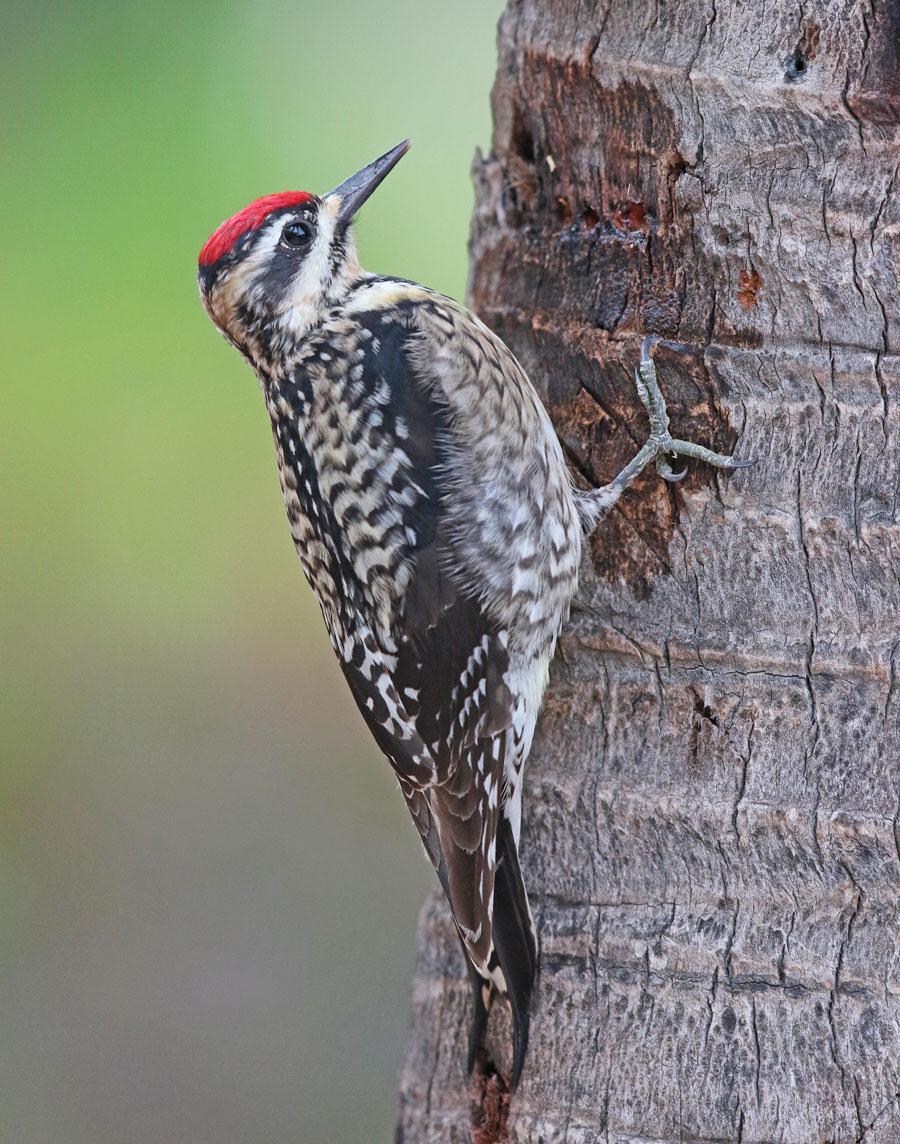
(711,834)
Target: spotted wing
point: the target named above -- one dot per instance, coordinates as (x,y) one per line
(431,688)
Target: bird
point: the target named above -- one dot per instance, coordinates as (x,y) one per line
(438,525)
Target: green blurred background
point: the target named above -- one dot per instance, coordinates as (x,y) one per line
(208,882)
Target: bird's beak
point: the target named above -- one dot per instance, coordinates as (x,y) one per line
(353,192)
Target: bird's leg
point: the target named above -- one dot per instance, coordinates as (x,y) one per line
(660,444)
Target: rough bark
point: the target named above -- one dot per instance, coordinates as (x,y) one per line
(711,832)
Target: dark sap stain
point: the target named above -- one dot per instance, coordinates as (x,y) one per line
(490,1103)
(631,216)
(749,286)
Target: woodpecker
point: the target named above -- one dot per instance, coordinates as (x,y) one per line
(437,523)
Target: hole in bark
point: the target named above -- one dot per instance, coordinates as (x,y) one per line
(796,68)
(706,712)
(589,217)
(721,236)
(804,53)
(522,140)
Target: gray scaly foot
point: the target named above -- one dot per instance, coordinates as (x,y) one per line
(660,446)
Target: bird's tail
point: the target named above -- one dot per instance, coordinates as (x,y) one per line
(514,940)
(514,952)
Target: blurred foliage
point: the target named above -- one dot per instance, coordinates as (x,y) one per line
(208,881)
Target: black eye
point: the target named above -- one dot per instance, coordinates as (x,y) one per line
(296,234)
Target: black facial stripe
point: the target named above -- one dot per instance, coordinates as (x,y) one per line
(207,275)
(338,253)
(281,270)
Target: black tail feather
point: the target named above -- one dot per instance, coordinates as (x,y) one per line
(514,941)
(479,1014)
(514,951)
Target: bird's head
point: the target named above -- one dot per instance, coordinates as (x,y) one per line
(270,272)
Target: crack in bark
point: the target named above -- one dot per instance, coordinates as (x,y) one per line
(895,1099)
(742,787)
(757,1053)
(809,749)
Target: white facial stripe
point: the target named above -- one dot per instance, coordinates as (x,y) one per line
(239,282)
(314,286)
(314,271)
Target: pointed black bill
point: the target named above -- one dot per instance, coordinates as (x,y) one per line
(354,191)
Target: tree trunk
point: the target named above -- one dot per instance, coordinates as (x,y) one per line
(711,835)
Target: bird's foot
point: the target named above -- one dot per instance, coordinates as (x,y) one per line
(661,445)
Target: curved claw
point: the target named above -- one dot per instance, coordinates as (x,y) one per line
(741,462)
(647,346)
(666,471)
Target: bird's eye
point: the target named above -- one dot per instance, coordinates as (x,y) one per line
(296,234)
